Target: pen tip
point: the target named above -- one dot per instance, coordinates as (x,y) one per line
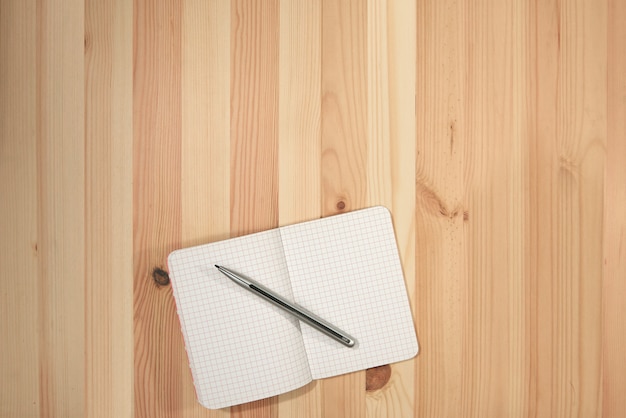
(217,266)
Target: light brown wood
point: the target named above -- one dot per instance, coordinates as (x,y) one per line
(157,227)
(61,208)
(614,245)
(441,271)
(19,287)
(492,130)
(108,208)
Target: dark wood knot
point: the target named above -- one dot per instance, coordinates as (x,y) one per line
(377,377)
(160,276)
(87,42)
(341,205)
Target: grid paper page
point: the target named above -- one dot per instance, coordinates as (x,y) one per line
(346,269)
(240,347)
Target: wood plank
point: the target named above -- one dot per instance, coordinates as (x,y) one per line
(108,208)
(441,273)
(496,211)
(541,195)
(206,121)
(156,205)
(299,146)
(471,182)
(299,111)
(571,123)
(614,245)
(391,58)
(254,119)
(344,152)
(205,144)
(19,296)
(61,206)
(254,133)
(344,106)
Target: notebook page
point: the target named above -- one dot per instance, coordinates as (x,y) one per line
(240,347)
(346,269)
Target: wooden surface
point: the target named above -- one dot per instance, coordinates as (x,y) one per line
(495,132)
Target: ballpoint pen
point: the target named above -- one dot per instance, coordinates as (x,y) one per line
(298,311)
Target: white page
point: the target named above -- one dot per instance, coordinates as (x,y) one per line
(346,269)
(240,347)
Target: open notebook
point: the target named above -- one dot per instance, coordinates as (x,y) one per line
(344,268)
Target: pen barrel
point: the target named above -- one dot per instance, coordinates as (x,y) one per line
(303,314)
(294,309)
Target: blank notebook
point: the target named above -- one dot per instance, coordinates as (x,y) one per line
(344,268)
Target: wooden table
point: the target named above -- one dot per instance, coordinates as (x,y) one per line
(494,131)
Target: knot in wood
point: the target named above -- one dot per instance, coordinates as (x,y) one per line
(377,377)
(160,276)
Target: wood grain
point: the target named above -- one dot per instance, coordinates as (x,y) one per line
(344,105)
(61,207)
(614,245)
(572,142)
(19,364)
(441,273)
(108,209)
(492,130)
(156,206)
(254,116)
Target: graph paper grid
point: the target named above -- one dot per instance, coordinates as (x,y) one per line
(344,268)
(240,347)
(347,270)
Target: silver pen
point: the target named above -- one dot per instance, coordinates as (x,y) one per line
(298,311)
